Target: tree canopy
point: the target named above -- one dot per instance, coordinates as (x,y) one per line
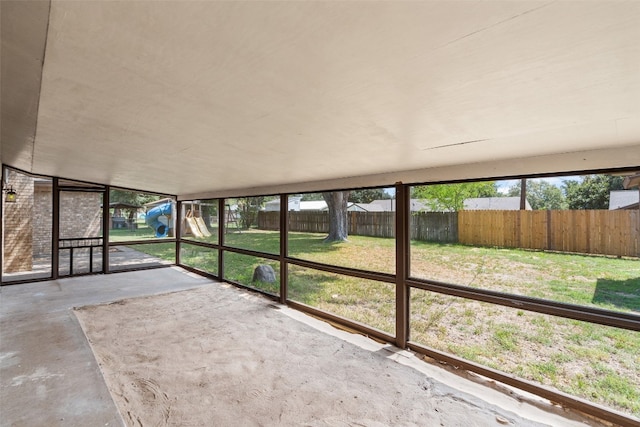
(311,196)
(592,192)
(368,195)
(451,197)
(248,208)
(131,197)
(541,195)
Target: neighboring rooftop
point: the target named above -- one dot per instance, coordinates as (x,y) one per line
(494,204)
(624,199)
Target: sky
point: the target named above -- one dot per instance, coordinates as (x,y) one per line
(504,185)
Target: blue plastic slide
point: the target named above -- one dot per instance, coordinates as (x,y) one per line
(152,220)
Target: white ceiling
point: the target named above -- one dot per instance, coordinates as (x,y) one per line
(194,98)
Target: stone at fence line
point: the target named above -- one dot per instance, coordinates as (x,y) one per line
(264,273)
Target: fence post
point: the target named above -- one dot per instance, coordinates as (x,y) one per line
(549,245)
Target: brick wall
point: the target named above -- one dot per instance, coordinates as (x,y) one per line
(18,224)
(80,214)
(28,222)
(42,218)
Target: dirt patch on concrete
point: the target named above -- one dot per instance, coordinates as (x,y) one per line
(220,356)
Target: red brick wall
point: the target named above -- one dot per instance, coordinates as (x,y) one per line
(80,214)
(28,222)
(42,218)
(18,223)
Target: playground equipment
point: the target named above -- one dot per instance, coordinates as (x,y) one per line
(197,211)
(196,225)
(153,219)
(231,218)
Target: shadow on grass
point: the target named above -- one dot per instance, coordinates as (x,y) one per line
(307,285)
(269,242)
(302,243)
(623,294)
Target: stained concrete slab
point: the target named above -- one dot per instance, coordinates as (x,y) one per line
(120,258)
(48,374)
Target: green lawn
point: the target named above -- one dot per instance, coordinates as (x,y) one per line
(604,282)
(596,362)
(142,232)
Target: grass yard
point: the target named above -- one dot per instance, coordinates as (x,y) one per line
(604,282)
(142,232)
(596,362)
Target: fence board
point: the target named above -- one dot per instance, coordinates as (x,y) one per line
(634,225)
(269,220)
(379,224)
(439,227)
(581,231)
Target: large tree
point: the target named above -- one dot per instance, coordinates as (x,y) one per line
(311,197)
(131,197)
(592,192)
(368,195)
(338,220)
(451,197)
(248,208)
(541,195)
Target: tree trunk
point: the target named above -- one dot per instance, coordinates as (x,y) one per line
(523,194)
(338,226)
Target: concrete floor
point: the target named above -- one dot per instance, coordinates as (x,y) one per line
(48,374)
(120,258)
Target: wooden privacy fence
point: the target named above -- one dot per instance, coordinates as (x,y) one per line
(582,231)
(379,224)
(309,222)
(439,227)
